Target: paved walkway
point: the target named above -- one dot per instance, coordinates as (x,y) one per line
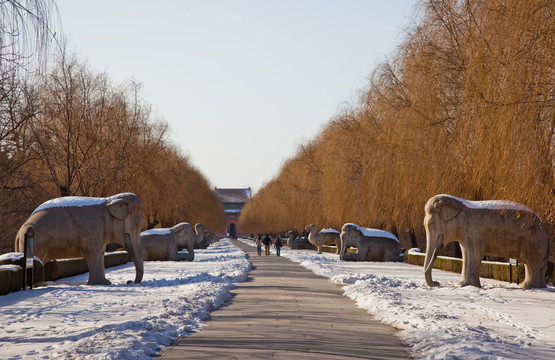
(285,311)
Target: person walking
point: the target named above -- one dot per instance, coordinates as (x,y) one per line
(267,242)
(278,244)
(259,245)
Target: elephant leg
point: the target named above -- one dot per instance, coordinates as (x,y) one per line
(191,251)
(534,276)
(472,269)
(464,266)
(97,276)
(362,254)
(526,284)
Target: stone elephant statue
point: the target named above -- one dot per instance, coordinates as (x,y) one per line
(324,237)
(78,226)
(199,236)
(497,228)
(209,238)
(297,242)
(372,244)
(164,244)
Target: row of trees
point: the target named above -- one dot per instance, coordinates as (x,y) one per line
(464,107)
(67,130)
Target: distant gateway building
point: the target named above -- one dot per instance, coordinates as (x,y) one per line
(233,201)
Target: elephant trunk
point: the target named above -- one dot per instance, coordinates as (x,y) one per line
(431,255)
(136,256)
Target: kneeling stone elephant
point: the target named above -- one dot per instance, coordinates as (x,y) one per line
(372,244)
(498,228)
(164,244)
(78,226)
(297,242)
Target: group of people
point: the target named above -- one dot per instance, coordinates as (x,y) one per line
(267,241)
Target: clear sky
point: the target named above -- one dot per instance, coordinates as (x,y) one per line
(241,83)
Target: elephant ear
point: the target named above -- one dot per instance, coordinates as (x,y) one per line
(118,208)
(447,211)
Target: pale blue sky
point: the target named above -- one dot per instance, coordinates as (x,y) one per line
(241,83)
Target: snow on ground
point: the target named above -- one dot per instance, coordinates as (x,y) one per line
(499,321)
(70,320)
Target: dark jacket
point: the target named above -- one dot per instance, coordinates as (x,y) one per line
(267,240)
(278,243)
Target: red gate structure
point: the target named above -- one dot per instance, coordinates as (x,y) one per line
(233,200)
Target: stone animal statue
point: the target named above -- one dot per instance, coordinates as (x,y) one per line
(297,242)
(199,236)
(77,226)
(164,244)
(324,237)
(209,238)
(372,244)
(291,236)
(497,228)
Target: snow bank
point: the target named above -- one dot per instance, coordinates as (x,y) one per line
(70,320)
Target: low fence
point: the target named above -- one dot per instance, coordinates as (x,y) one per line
(332,249)
(57,269)
(11,276)
(488,269)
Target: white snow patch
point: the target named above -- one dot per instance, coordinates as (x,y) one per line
(15,256)
(76,201)
(163,231)
(329,231)
(374,232)
(70,320)
(492,204)
(415,251)
(11,267)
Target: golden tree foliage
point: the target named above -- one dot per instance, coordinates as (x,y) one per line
(464,107)
(77,134)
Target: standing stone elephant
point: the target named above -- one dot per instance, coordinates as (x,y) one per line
(372,244)
(164,244)
(77,226)
(324,237)
(497,228)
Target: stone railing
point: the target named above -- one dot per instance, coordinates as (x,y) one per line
(11,276)
(488,269)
